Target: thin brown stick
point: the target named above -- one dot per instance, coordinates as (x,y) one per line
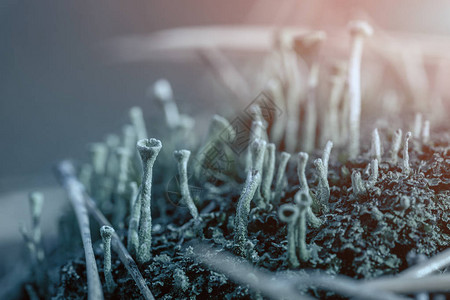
(117,246)
(76,191)
(283,285)
(417,277)
(406,285)
(439,261)
(239,270)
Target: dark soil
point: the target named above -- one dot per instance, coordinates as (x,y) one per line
(383,232)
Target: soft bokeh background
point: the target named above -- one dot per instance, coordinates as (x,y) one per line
(58,91)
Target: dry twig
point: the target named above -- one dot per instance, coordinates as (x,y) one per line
(77,194)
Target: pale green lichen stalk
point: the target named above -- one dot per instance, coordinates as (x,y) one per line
(33,239)
(162,90)
(122,177)
(129,139)
(256,133)
(280,177)
(275,89)
(374,174)
(135,216)
(243,210)
(376,145)
(180,124)
(395,146)
(133,192)
(358,30)
(310,44)
(124,157)
(220,130)
(34,244)
(99,184)
(133,226)
(258,149)
(405,166)
(302,159)
(426,132)
(288,213)
(36,203)
(106,232)
(417,125)
(112,142)
(323,189)
(358,185)
(303,202)
(326,155)
(137,119)
(331,129)
(148,150)
(269,171)
(182,157)
(99,156)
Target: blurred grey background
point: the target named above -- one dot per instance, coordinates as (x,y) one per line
(58,91)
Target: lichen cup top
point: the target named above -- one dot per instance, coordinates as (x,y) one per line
(148,148)
(302,199)
(288,213)
(163,90)
(361,28)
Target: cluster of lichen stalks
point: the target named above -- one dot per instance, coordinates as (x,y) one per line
(260,176)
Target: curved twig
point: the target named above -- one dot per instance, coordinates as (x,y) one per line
(77,192)
(429,266)
(407,285)
(117,246)
(284,285)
